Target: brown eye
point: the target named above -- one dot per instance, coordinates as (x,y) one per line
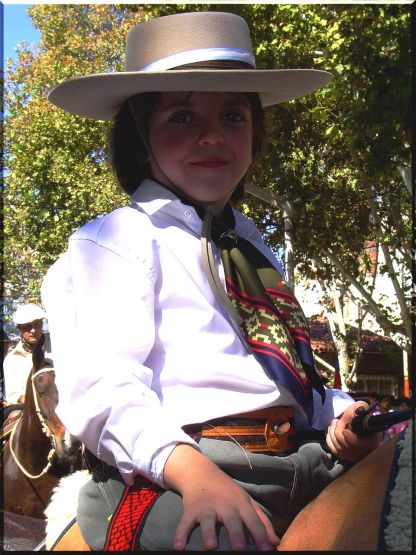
(234,116)
(182,117)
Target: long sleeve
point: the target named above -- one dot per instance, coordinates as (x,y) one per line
(100,311)
(140,344)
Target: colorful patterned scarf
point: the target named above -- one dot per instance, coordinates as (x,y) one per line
(270,318)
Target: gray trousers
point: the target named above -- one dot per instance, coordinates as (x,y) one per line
(281,485)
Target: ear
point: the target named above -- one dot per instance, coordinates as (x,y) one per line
(38,354)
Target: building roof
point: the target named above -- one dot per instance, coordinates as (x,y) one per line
(321,338)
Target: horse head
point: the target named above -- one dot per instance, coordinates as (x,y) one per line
(40,450)
(46,398)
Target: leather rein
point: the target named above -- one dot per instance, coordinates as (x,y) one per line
(45,430)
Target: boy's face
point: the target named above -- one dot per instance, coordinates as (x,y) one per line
(203,143)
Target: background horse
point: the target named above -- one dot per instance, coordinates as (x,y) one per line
(39,451)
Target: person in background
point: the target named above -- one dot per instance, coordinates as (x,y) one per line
(402,403)
(373,397)
(386,403)
(18,362)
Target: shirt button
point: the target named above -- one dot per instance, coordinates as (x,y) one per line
(187,213)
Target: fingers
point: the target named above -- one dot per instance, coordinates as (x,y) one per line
(208,531)
(234,526)
(207,522)
(346,445)
(256,529)
(335,436)
(254,521)
(182,532)
(353,410)
(271,534)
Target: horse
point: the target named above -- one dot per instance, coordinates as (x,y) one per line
(369,508)
(39,450)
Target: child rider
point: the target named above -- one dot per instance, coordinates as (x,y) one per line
(182,359)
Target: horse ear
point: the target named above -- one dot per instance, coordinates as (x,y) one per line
(38,354)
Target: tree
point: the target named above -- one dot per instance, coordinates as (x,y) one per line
(333,157)
(345,186)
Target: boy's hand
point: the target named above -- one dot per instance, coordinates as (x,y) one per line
(211,497)
(342,441)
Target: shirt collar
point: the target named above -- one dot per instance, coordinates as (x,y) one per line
(152,198)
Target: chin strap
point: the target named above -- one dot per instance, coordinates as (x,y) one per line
(143,137)
(170,184)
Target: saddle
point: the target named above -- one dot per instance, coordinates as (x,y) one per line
(9,424)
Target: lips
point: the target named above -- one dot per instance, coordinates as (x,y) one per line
(210,163)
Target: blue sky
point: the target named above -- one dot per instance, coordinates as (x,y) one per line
(17,26)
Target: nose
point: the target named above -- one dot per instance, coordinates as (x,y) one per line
(211,134)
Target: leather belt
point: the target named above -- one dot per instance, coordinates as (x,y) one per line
(270,430)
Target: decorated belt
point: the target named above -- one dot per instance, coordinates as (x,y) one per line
(270,430)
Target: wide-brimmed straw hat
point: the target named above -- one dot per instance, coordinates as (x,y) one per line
(161,55)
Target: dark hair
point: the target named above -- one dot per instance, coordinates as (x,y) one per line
(128,154)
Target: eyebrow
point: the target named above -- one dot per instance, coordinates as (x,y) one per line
(232,101)
(177,104)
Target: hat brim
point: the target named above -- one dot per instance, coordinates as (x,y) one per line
(100,96)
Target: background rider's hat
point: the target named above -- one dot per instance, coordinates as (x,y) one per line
(176,53)
(28,313)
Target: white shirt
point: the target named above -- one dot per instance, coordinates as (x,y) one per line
(141,346)
(16,368)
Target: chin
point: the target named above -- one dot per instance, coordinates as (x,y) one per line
(211,193)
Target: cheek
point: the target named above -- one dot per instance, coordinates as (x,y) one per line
(242,144)
(168,144)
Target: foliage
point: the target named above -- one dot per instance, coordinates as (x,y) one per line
(336,154)
(331,154)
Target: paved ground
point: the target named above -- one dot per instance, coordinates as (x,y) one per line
(20,533)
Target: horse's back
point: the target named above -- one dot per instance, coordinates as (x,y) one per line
(71,540)
(347,514)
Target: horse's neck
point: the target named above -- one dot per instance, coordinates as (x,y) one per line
(29,436)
